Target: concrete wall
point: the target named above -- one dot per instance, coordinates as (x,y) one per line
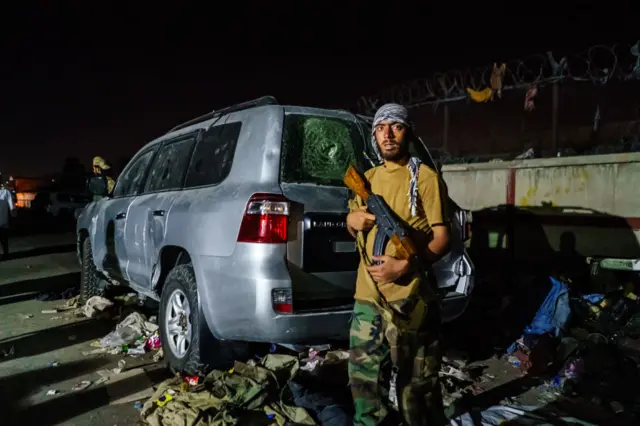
(591,203)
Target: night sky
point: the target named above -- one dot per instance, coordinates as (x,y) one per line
(148,73)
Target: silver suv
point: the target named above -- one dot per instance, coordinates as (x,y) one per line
(235,223)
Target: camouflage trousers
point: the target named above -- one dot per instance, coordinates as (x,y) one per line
(416,360)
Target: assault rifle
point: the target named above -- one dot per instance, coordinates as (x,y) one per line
(390,227)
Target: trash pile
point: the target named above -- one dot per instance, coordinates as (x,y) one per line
(134,335)
(277,389)
(589,344)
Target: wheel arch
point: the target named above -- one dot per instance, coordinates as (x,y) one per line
(170,257)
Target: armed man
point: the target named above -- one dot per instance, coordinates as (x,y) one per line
(397,310)
(99,169)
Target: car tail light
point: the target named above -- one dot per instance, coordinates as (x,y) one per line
(282,300)
(265,220)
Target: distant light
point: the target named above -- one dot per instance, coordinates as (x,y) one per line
(53,180)
(10,178)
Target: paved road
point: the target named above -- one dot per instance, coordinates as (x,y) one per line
(48,264)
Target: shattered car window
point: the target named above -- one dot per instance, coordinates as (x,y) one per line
(169,166)
(317,149)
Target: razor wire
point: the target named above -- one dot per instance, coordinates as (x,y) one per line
(600,64)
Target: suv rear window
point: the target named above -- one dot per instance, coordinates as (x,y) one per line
(318,149)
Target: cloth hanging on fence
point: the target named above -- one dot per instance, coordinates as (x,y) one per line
(480,96)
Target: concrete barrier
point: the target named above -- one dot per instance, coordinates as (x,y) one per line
(590,203)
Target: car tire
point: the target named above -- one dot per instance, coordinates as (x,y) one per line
(91,284)
(181,283)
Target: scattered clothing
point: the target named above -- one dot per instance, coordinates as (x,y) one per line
(239,396)
(321,404)
(530,99)
(552,316)
(504,414)
(95,305)
(480,96)
(497,75)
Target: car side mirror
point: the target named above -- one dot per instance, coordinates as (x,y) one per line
(97,185)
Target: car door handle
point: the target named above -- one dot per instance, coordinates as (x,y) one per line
(121,216)
(158,213)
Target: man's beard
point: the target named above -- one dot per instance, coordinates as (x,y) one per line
(401,153)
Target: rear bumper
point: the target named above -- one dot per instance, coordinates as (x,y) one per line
(235,295)
(235,298)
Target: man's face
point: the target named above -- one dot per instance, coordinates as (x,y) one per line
(392,140)
(97,170)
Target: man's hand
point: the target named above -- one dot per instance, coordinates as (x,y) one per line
(14,213)
(390,270)
(360,220)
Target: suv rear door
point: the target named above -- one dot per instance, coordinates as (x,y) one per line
(317,147)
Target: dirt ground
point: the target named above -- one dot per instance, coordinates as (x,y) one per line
(45,353)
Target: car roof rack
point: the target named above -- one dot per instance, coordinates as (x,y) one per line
(263,101)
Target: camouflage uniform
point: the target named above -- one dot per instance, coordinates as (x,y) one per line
(415,355)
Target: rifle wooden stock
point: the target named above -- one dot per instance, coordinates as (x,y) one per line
(357,183)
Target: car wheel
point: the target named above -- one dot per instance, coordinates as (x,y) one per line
(91,283)
(182,326)
(180,322)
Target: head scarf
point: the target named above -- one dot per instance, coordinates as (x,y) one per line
(398,114)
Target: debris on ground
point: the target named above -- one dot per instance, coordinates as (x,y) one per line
(70,304)
(82,385)
(133,336)
(577,345)
(121,367)
(7,353)
(586,345)
(237,396)
(96,306)
(129,386)
(128,299)
(105,375)
(52,392)
(503,414)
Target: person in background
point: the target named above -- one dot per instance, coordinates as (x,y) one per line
(6,208)
(396,315)
(99,168)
